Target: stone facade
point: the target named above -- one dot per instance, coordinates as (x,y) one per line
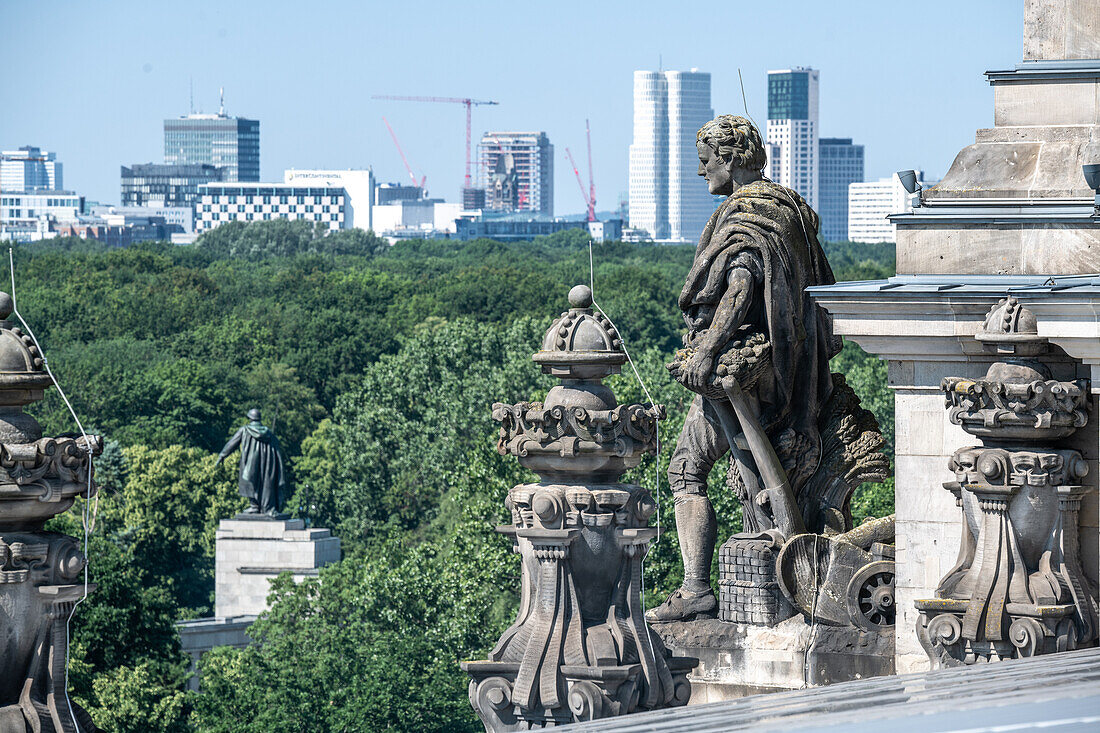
(1014,225)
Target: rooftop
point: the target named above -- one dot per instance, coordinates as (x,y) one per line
(1058,693)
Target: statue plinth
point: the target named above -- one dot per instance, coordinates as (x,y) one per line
(251,550)
(579,649)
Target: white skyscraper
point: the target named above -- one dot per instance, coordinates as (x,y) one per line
(792,134)
(668,200)
(649,155)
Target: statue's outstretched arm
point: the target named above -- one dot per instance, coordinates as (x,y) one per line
(231,446)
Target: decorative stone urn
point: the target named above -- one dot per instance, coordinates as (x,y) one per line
(40,572)
(1017,589)
(579,649)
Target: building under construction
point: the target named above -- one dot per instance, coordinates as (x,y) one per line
(517,172)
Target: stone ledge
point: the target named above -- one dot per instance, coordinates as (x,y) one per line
(276,571)
(738,659)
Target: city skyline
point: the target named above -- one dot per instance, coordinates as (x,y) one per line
(309,80)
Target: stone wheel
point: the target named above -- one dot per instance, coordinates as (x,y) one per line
(871,596)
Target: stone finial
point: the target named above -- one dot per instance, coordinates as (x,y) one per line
(40,572)
(579,649)
(581,343)
(1010,328)
(1017,589)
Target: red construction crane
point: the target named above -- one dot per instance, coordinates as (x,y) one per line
(591,184)
(403,158)
(449,100)
(591,204)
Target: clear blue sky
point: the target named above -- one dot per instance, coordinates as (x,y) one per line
(94,80)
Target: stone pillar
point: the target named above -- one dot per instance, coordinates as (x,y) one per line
(579,649)
(1060,30)
(41,573)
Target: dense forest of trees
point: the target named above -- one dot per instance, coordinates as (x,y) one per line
(377,366)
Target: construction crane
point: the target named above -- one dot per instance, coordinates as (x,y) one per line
(591,184)
(403,158)
(584,194)
(590,195)
(469,103)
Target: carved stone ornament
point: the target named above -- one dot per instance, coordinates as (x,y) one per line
(1017,588)
(579,649)
(41,573)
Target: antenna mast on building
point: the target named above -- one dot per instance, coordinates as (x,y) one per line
(221,101)
(191,89)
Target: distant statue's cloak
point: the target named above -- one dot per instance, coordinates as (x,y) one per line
(262,476)
(773,229)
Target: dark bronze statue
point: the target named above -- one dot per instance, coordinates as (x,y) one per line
(756,355)
(262,475)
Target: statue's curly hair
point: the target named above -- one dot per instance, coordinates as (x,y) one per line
(735,137)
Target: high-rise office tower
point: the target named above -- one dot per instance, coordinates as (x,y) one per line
(30,169)
(667,199)
(517,171)
(648,199)
(228,142)
(792,132)
(840,163)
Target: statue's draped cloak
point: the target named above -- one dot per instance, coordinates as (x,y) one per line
(776,226)
(262,477)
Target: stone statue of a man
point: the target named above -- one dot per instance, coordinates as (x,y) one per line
(262,476)
(746,287)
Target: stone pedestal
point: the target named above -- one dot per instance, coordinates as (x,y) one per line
(737,659)
(250,551)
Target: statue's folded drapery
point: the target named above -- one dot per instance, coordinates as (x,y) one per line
(776,228)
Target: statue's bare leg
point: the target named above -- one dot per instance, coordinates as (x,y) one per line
(702,442)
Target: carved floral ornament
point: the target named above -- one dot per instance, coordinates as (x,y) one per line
(1055,407)
(528,426)
(49,465)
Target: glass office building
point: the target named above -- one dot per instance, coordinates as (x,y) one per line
(155,184)
(840,163)
(232,143)
(668,201)
(792,132)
